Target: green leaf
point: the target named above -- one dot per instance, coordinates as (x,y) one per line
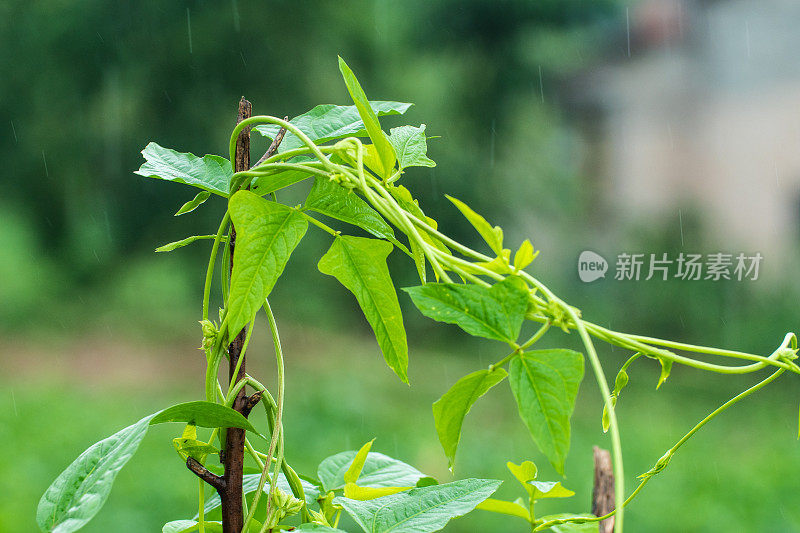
(449,410)
(360,265)
(210,172)
(606,419)
(80,491)
(492,235)
(619,382)
(549,489)
(203,414)
(371,124)
(183,242)
(411,146)
(379,471)
(495,312)
(266,235)
(194,203)
(262,185)
(525,255)
(250,485)
(419,510)
(569,527)
(666,368)
(524,472)
(328,122)
(505,507)
(354,470)
(333,200)
(545,384)
(186,526)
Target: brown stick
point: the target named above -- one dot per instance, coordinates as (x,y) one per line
(603,491)
(233,456)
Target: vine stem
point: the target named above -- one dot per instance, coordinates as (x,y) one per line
(277,429)
(211,262)
(616,443)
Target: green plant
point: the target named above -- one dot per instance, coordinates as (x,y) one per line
(489,296)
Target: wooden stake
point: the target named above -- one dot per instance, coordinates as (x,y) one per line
(603,491)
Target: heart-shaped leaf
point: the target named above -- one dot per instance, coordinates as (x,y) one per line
(449,410)
(210,172)
(80,491)
(203,414)
(333,200)
(411,146)
(419,510)
(266,235)
(360,265)
(496,312)
(327,122)
(545,384)
(378,471)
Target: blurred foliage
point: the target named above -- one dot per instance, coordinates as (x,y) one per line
(92,82)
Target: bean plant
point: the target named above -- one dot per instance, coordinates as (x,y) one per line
(356,170)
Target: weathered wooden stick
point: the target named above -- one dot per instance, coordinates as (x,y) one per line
(603,491)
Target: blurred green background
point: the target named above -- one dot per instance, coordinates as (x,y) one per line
(99,331)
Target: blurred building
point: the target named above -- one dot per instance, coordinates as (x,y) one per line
(697,107)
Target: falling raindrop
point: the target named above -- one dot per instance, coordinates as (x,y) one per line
(189,26)
(680,222)
(541,83)
(14,131)
(628,28)
(14,402)
(167,95)
(241,54)
(235,6)
(46,173)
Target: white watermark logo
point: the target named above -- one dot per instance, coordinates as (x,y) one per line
(684,266)
(591,266)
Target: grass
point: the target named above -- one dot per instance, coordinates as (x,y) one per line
(736,475)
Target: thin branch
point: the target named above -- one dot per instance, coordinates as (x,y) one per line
(274,146)
(205,474)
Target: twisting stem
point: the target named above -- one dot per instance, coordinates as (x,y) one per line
(277,429)
(211,261)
